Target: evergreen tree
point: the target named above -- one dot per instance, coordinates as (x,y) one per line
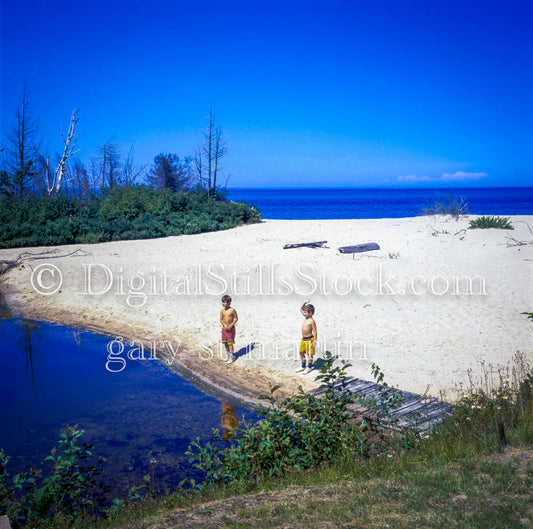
(169,172)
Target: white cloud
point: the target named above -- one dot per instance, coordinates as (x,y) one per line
(413,179)
(459,176)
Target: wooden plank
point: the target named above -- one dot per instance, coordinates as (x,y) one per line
(416,411)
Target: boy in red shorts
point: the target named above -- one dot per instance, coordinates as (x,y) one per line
(228,319)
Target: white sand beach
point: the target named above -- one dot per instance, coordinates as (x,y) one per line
(438,304)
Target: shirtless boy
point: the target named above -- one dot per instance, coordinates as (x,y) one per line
(228,319)
(309,336)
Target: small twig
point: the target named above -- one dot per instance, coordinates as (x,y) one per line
(511,241)
(526,223)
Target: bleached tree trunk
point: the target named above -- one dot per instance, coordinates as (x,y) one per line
(69,150)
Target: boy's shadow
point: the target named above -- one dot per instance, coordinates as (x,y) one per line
(317,364)
(244,350)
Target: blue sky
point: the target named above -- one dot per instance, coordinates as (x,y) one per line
(337,93)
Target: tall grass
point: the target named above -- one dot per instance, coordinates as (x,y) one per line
(454,206)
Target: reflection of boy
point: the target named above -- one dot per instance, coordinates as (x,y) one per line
(228,420)
(309,336)
(228,319)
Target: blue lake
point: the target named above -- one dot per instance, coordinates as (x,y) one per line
(375,203)
(141,419)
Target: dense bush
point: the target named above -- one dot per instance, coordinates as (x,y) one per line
(132,212)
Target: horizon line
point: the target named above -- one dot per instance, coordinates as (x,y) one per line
(404,188)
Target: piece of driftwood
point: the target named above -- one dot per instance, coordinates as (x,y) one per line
(358,248)
(317,244)
(7,265)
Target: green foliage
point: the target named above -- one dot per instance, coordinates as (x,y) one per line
(449,206)
(123,213)
(303,431)
(169,172)
(71,490)
(487,222)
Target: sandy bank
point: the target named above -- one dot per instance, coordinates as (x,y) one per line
(435,303)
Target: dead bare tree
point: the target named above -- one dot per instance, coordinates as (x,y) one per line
(110,166)
(22,148)
(209,153)
(198,165)
(221,148)
(81,185)
(131,172)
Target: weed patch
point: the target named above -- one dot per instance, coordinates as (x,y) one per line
(487,222)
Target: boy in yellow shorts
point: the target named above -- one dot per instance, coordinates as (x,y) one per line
(309,337)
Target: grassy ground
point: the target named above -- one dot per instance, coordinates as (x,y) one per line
(481,491)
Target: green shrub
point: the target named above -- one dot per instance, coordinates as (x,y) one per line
(71,490)
(486,222)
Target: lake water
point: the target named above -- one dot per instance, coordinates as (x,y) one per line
(367,203)
(141,420)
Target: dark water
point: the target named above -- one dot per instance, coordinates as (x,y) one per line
(330,203)
(141,419)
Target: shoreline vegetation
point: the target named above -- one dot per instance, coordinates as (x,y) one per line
(122,213)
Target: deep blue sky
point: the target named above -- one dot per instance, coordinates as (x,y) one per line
(351,93)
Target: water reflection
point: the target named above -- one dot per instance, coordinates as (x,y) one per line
(5,311)
(142,419)
(228,420)
(25,337)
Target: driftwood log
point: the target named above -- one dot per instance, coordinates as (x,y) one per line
(358,248)
(317,244)
(6,265)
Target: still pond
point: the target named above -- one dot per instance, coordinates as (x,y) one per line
(141,419)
